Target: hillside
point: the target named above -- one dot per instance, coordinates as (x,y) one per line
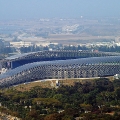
(95,99)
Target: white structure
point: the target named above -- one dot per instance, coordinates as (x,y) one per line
(20,44)
(117,76)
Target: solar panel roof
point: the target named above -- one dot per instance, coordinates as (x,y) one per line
(82,61)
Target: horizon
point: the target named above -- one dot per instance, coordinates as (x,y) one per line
(29,9)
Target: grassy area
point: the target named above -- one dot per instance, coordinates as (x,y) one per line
(52,83)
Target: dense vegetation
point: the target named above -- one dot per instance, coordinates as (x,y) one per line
(89,100)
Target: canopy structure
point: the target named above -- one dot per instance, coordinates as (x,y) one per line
(61,69)
(22,59)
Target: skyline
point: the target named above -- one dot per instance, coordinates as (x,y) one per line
(29,9)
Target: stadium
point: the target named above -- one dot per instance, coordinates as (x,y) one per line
(58,65)
(21,59)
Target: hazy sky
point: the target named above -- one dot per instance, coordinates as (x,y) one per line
(22,9)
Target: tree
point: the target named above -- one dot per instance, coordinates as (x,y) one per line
(54,116)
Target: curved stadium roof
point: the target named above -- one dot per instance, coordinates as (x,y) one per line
(62,65)
(47,53)
(82,61)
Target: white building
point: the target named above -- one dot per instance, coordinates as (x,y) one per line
(20,44)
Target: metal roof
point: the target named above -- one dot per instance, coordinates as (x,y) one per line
(24,55)
(19,56)
(71,62)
